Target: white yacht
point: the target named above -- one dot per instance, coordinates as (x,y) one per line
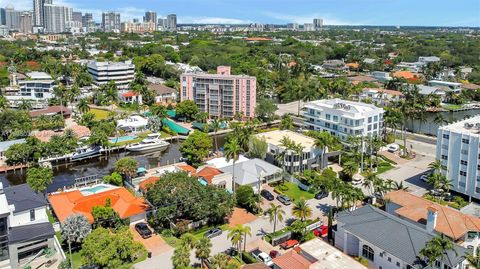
(151,142)
(85,152)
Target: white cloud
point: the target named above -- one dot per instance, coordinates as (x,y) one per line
(17,4)
(308,18)
(211,20)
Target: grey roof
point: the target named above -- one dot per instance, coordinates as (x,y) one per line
(426,90)
(398,237)
(249,171)
(4,145)
(32,232)
(24,198)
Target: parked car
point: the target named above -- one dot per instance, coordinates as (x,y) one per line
(213,232)
(262,257)
(284,199)
(231,252)
(267,195)
(289,244)
(321,194)
(393,148)
(273,254)
(143,230)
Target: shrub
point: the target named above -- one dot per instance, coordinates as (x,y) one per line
(115,179)
(390,138)
(248,258)
(65,264)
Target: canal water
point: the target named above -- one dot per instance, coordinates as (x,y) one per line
(430,127)
(64,174)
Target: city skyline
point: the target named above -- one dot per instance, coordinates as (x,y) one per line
(343,12)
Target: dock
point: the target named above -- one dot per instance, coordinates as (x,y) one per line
(7,168)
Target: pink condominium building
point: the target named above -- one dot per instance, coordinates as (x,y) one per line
(221,95)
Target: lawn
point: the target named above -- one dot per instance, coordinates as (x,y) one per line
(100,114)
(174,241)
(384,167)
(452,107)
(293,191)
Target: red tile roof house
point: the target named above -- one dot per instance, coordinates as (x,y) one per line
(292,260)
(130,97)
(207,175)
(464,229)
(82,201)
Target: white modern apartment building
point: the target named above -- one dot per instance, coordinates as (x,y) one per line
(111,22)
(343,118)
(122,73)
(34,87)
(293,161)
(458,148)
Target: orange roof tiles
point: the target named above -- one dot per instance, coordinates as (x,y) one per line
(129,94)
(353,65)
(450,221)
(405,74)
(208,173)
(122,201)
(187,168)
(144,185)
(292,260)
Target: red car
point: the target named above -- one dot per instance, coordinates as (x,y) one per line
(289,244)
(321,231)
(273,254)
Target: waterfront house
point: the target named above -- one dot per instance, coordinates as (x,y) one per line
(381,97)
(24,226)
(163,94)
(134,123)
(254,173)
(82,201)
(387,241)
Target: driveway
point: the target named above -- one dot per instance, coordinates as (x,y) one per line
(155,244)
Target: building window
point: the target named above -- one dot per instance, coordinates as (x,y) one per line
(369,119)
(327,116)
(368,253)
(466,141)
(437,264)
(444,157)
(398,264)
(446,267)
(375,118)
(32,214)
(446,136)
(389,259)
(463,173)
(381,254)
(463,162)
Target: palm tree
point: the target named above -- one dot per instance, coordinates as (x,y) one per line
(437,248)
(215,125)
(350,168)
(203,249)
(232,152)
(83,106)
(219,261)
(368,180)
(181,257)
(235,234)
(437,166)
(3,103)
(276,213)
(160,112)
(188,240)
(301,210)
(25,105)
(60,92)
(473,259)
(247,231)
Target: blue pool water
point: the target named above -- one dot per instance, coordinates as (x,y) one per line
(95,189)
(122,139)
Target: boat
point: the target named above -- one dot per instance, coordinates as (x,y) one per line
(85,152)
(151,142)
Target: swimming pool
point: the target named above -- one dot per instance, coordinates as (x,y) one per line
(122,139)
(95,189)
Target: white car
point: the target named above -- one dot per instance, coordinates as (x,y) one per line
(262,257)
(393,147)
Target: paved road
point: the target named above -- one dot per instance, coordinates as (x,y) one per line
(259,228)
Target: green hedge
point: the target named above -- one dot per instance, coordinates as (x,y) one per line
(248,258)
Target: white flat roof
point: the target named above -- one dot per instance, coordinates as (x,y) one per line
(349,106)
(468,126)
(328,256)
(39,75)
(222,162)
(274,138)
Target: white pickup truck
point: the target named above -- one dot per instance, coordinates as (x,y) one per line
(262,257)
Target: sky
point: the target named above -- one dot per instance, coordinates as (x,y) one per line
(333,12)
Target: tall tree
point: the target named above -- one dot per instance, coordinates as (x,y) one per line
(127,166)
(83,106)
(75,229)
(232,152)
(437,249)
(215,125)
(39,178)
(203,249)
(275,213)
(301,210)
